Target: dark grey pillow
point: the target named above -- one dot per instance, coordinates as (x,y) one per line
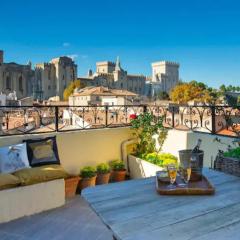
(42,151)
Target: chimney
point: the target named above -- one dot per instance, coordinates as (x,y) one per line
(1,56)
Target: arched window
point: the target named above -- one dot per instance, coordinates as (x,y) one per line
(8,83)
(20,83)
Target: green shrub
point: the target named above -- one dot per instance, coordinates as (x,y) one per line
(161,159)
(117,165)
(88,172)
(103,168)
(235,153)
(145,127)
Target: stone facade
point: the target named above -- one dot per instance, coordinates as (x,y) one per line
(111,75)
(52,78)
(165,76)
(101,96)
(16,77)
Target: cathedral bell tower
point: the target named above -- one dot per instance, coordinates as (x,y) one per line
(118,70)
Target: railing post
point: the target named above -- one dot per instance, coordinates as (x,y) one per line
(106,115)
(7,120)
(191,123)
(56,118)
(213,119)
(173,117)
(144,108)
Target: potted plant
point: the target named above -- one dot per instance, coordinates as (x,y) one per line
(228,161)
(103,173)
(151,135)
(71,184)
(118,170)
(88,175)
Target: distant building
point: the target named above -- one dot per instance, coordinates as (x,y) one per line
(165,76)
(111,75)
(9,99)
(232,98)
(101,96)
(16,77)
(52,78)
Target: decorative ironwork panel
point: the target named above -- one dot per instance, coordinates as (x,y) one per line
(222,120)
(22,120)
(227,120)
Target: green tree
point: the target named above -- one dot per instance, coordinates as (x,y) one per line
(229,88)
(163,95)
(223,88)
(198,84)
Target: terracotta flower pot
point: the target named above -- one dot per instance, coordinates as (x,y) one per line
(87,182)
(119,176)
(103,178)
(71,186)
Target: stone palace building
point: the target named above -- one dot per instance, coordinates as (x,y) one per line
(111,75)
(44,81)
(50,79)
(16,77)
(165,75)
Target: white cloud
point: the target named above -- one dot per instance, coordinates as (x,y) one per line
(66,44)
(73,56)
(84,56)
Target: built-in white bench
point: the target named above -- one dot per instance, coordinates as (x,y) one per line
(27,200)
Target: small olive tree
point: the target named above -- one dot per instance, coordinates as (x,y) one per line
(144,127)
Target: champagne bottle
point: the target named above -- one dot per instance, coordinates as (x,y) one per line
(196,162)
(197,147)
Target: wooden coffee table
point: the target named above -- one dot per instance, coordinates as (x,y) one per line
(133,210)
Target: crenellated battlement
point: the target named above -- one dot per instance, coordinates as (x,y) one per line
(108,63)
(164,62)
(43,65)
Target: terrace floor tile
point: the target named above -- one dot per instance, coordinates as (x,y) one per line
(75,220)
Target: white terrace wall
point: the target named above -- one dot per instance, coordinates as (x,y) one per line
(178,140)
(209,146)
(90,147)
(82,148)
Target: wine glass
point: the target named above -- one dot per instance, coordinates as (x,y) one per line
(185,172)
(172,173)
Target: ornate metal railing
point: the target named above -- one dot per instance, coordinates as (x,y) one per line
(222,120)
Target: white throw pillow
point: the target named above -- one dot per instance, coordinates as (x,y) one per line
(13,158)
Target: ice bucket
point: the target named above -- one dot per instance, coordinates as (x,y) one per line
(196,160)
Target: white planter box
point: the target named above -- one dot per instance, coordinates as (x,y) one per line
(140,168)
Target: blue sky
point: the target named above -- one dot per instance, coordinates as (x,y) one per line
(203,36)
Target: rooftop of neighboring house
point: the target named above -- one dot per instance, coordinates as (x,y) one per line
(102,91)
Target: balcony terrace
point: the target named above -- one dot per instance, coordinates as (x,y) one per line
(92,135)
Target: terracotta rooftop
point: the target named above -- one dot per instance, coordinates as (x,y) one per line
(229,131)
(103,91)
